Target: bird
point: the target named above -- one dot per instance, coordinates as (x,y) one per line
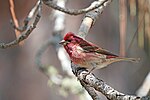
(88,55)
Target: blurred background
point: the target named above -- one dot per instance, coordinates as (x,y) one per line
(20,79)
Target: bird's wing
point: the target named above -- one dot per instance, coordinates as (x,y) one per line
(89,47)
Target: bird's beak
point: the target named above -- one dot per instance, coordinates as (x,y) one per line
(63,42)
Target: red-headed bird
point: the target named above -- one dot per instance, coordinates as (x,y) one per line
(88,55)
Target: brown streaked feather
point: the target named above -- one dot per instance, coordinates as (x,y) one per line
(89,47)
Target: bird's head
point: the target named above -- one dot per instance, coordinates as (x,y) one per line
(70,41)
(69,38)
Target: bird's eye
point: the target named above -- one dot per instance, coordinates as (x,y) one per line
(69,40)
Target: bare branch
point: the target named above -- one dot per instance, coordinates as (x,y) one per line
(39,54)
(54,40)
(90,19)
(94,5)
(99,85)
(90,90)
(11,2)
(28,31)
(27,19)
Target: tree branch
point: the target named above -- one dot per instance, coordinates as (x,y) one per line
(30,16)
(94,5)
(23,36)
(90,90)
(100,86)
(90,19)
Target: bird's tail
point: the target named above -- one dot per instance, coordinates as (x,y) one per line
(127,59)
(117,59)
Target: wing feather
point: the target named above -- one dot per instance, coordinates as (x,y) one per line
(89,47)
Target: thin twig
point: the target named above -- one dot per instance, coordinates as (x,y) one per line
(11,2)
(94,5)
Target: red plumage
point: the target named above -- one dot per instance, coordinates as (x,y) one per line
(87,54)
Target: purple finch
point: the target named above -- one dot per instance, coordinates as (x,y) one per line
(88,55)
